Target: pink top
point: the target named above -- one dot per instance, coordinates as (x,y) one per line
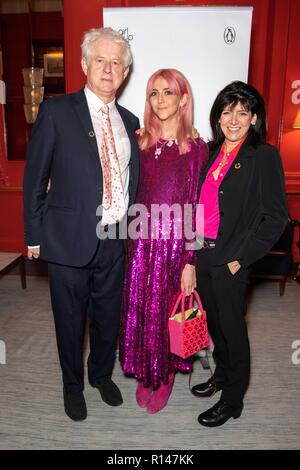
(209,195)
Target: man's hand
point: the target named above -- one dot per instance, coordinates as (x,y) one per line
(141,131)
(48,186)
(188,279)
(234,266)
(33,253)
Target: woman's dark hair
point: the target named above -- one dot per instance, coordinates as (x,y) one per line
(234,93)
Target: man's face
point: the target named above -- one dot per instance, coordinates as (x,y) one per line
(104,69)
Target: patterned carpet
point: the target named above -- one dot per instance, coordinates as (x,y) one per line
(31,405)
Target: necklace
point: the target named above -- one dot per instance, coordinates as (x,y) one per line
(224,161)
(160,145)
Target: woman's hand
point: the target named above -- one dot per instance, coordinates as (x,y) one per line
(188,279)
(195,133)
(141,131)
(234,266)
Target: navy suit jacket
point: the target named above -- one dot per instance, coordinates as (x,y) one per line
(252,204)
(63,148)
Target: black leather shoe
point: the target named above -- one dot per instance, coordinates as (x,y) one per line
(209,388)
(219,414)
(75,406)
(109,392)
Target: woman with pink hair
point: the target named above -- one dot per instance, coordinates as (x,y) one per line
(160,262)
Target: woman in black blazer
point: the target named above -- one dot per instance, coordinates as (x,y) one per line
(243,195)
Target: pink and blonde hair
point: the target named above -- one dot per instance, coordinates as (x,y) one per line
(179,85)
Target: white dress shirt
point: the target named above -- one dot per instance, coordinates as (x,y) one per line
(122,143)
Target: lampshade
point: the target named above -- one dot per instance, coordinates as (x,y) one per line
(33,76)
(31,111)
(33,92)
(296,124)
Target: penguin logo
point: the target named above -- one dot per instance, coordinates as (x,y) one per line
(229,35)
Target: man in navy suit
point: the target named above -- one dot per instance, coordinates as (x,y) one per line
(85,270)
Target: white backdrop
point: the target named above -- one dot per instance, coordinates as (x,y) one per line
(209,45)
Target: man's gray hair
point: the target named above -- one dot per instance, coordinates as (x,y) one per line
(105,33)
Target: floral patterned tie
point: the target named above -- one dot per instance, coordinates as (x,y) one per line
(113,192)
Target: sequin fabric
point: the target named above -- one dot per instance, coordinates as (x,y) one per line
(154,266)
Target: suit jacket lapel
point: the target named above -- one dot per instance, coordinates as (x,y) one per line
(83,113)
(240,160)
(128,129)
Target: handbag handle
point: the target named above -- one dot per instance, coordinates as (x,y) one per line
(181,298)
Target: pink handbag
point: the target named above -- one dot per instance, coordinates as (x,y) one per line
(188,336)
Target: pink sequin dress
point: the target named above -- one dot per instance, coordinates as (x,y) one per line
(154,266)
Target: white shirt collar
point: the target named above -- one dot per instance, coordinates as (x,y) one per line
(95,101)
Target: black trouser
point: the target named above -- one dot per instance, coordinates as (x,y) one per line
(97,288)
(223,296)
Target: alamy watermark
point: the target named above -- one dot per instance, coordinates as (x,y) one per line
(2,352)
(160,222)
(295,357)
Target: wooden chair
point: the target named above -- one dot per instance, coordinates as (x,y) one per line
(277,264)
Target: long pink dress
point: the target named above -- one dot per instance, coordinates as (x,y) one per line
(154,266)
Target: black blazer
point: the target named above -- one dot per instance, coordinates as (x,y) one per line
(63,147)
(252,204)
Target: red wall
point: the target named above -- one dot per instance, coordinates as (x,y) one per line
(290,138)
(274,66)
(16,33)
